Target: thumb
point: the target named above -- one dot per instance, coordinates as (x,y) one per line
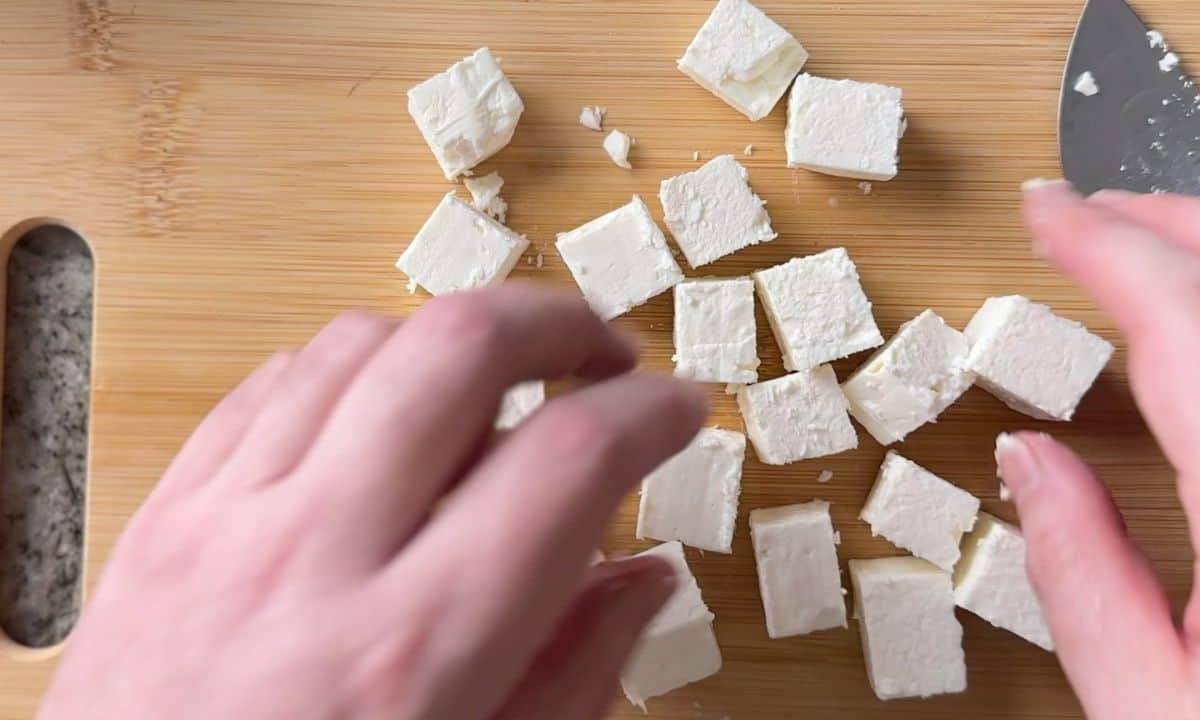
(1107,612)
(576,674)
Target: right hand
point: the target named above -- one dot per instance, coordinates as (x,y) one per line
(1139,257)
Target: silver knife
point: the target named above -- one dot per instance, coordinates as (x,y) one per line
(1140,130)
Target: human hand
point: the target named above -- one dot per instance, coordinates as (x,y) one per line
(344,536)
(1139,257)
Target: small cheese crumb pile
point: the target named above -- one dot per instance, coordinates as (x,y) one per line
(1169,62)
(866,187)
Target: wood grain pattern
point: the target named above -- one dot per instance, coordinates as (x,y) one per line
(245,170)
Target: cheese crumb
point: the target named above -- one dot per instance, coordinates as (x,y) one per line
(617,146)
(1086,85)
(592,117)
(696,155)
(825,476)
(748,151)
(519,403)
(485,195)
(1169,62)
(1156,39)
(866,187)
(539,261)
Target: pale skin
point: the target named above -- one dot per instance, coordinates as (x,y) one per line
(345,537)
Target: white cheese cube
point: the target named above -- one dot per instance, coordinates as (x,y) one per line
(844,128)
(743,57)
(620,260)
(990,581)
(460,248)
(912,643)
(796,417)
(712,212)
(911,380)
(693,497)
(519,403)
(467,113)
(796,556)
(1036,362)
(715,335)
(817,309)
(918,511)
(678,646)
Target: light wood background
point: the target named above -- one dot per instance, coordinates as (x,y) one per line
(244,170)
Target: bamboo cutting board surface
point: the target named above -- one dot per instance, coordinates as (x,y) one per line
(245,170)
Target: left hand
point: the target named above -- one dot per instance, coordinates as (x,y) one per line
(346,537)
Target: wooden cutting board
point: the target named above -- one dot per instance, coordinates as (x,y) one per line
(245,170)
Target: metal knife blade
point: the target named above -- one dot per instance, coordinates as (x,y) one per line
(1141,131)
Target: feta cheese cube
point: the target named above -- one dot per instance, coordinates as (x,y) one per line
(678,647)
(712,212)
(467,113)
(798,575)
(519,403)
(485,195)
(912,643)
(1034,361)
(796,417)
(911,380)
(715,335)
(620,260)
(844,128)
(817,309)
(460,248)
(990,581)
(617,145)
(743,57)
(693,497)
(918,511)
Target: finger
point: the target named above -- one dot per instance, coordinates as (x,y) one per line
(1106,609)
(1172,217)
(528,517)
(440,379)
(305,395)
(577,674)
(1151,288)
(211,444)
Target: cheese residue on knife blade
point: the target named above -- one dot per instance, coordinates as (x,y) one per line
(1086,85)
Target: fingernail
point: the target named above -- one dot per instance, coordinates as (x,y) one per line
(1037,184)
(1016,465)
(1105,197)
